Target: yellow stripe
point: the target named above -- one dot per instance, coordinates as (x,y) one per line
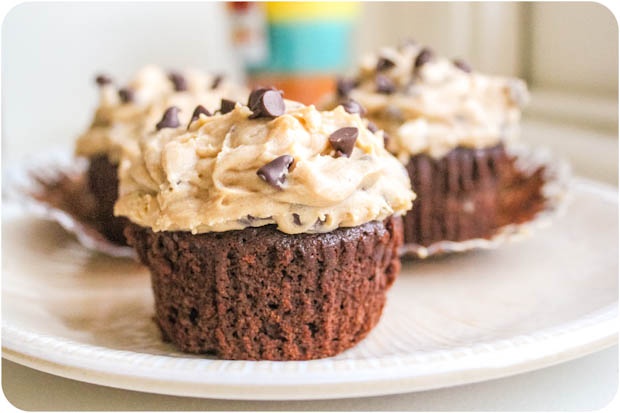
(310,10)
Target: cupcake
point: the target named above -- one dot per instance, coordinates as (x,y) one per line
(271,230)
(451,127)
(126,113)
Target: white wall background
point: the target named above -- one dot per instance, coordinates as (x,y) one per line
(51,52)
(568,52)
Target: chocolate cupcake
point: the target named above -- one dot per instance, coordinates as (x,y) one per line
(271,231)
(124,114)
(452,127)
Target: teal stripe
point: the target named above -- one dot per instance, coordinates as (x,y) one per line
(297,47)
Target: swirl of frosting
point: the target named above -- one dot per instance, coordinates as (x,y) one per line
(119,123)
(429,104)
(304,171)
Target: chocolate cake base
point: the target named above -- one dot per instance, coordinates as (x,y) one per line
(469,193)
(260,294)
(103,184)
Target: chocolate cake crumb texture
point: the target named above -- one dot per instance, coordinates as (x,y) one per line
(469,193)
(259,294)
(102,183)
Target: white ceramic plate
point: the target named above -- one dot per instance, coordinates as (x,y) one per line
(451,320)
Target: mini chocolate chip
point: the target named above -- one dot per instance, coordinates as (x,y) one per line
(126,95)
(384,85)
(217,81)
(103,80)
(343,140)
(170,119)
(227,106)
(386,139)
(200,110)
(384,64)
(372,127)
(344,86)
(462,64)
(352,106)
(178,80)
(297,219)
(423,57)
(255,95)
(274,173)
(270,104)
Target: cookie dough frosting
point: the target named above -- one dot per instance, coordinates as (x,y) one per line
(429,104)
(126,113)
(293,166)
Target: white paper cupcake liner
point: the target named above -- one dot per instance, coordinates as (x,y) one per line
(40,172)
(555,190)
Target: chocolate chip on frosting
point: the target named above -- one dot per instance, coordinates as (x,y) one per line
(344,86)
(462,64)
(343,140)
(268,104)
(255,96)
(126,95)
(423,57)
(297,219)
(217,80)
(274,173)
(372,127)
(200,110)
(178,81)
(352,106)
(386,139)
(227,106)
(102,80)
(170,119)
(384,85)
(384,64)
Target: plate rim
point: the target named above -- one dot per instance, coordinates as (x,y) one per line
(483,361)
(593,332)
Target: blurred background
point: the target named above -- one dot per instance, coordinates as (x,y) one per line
(567,52)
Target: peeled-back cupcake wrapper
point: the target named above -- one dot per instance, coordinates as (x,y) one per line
(23,182)
(555,191)
(40,185)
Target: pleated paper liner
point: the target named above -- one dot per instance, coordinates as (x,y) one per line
(529,164)
(53,186)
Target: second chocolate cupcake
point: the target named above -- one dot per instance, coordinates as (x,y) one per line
(452,127)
